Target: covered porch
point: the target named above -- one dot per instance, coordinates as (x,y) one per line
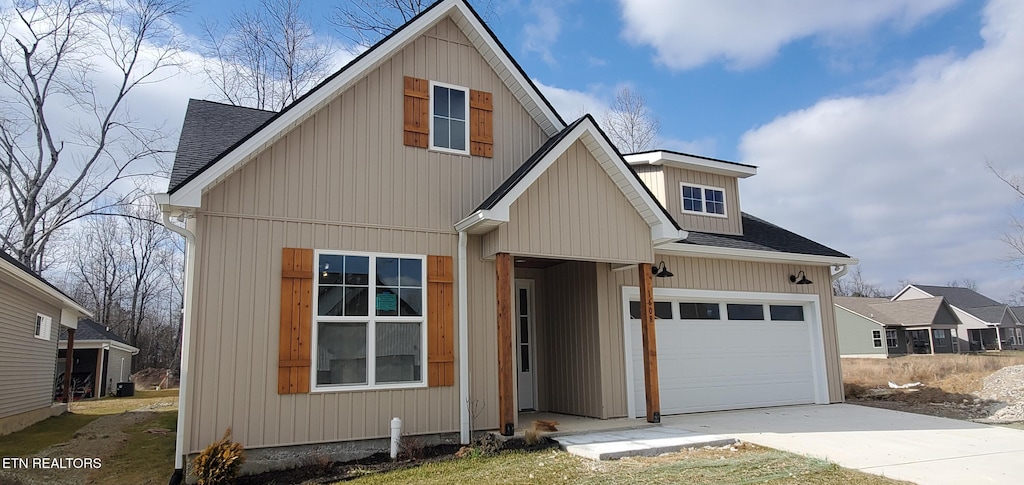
(933,339)
(983,339)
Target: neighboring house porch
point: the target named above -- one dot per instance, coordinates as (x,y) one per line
(878,327)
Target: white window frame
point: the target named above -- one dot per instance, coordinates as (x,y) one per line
(704,200)
(938,334)
(431,135)
(1020,337)
(44,323)
(895,338)
(371,325)
(876,341)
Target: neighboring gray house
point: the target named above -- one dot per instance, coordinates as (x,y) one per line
(987,324)
(31,310)
(879,327)
(102,359)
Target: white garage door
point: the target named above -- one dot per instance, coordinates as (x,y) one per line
(717,354)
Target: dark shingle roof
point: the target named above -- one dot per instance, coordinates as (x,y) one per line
(760,235)
(894,313)
(963,298)
(209,130)
(1018,311)
(993,313)
(26,270)
(90,330)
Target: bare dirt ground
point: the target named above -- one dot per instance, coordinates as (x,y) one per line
(984,388)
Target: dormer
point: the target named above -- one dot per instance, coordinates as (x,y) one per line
(700,193)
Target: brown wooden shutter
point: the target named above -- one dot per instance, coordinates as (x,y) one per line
(296,321)
(481,124)
(440,321)
(417,112)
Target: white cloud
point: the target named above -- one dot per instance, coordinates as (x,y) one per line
(898,179)
(743,33)
(542,33)
(572,104)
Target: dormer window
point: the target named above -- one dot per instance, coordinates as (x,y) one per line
(703,200)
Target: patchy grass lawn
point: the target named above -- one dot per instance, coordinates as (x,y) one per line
(133,437)
(43,434)
(953,373)
(112,405)
(747,464)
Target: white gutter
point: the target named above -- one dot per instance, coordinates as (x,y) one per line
(186,333)
(841,270)
(464,418)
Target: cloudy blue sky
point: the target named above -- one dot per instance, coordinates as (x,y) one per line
(870,120)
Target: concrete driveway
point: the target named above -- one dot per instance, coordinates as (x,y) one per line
(914,447)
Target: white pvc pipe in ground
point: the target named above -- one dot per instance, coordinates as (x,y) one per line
(396,436)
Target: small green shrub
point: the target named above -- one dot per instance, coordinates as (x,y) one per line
(219,463)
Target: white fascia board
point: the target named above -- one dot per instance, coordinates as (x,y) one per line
(33,282)
(481,221)
(692,163)
(749,254)
(191,194)
(69,318)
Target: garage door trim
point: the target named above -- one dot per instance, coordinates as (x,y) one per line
(813,318)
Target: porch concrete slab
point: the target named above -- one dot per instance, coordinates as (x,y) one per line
(914,447)
(612,445)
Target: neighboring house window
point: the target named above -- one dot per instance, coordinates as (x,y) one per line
(703,200)
(43,326)
(370,329)
(876,338)
(940,337)
(1020,340)
(890,339)
(449,107)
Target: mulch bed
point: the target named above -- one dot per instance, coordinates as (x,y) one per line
(380,463)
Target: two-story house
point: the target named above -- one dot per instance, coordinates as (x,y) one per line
(422,236)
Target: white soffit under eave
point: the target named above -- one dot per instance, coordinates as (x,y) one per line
(689,162)
(190,195)
(662,228)
(692,250)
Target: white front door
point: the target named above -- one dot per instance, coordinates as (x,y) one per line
(525,339)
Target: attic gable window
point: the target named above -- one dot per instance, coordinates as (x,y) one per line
(447,118)
(704,200)
(448,124)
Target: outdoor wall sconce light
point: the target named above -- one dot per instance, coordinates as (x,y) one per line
(800,278)
(660,271)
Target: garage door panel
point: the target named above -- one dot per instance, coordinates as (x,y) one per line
(706,365)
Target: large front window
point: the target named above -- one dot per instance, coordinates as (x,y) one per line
(891,340)
(449,106)
(370,329)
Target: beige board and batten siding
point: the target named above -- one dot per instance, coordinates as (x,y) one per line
(709,274)
(27,364)
(653,177)
(573,211)
(570,339)
(673,177)
(342,180)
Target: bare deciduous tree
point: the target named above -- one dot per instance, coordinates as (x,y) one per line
(1014,237)
(630,124)
(267,57)
(364,22)
(854,285)
(964,283)
(65,139)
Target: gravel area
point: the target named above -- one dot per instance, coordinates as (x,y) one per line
(1006,388)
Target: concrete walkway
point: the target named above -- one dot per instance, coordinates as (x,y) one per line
(615,444)
(914,447)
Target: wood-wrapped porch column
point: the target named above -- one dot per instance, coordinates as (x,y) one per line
(651,391)
(69,362)
(506,401)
